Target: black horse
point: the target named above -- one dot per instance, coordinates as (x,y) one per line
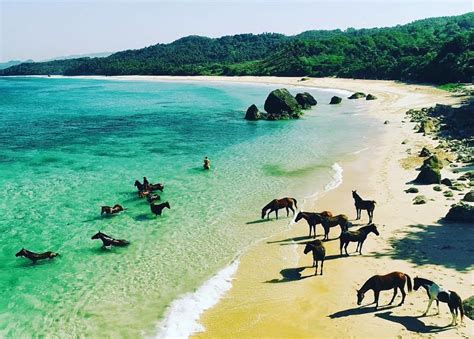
(158,209)
(109,241)
(148,187)
(361,204)
(36,256)
(319,253)
(360,235)
(436,293)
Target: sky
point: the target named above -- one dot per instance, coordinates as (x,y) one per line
(39,29)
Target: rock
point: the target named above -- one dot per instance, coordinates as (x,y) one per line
(447,182)
(335,100)
(467,176)
(428,126)
(428,176)
(404,141)
(432,162)
(304,79)
(469,196)
(419,200)
(437,188)
(461,212)
(425,152)
(412,190)
(280,104)
(386,122)
(457,187)
(305,100)
(448,194)
(370,97)
(468,305)
(252,113)
(357,95)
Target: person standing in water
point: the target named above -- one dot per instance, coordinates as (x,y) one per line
(207,163)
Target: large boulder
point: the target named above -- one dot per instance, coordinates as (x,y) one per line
(469,196)
(335,100)
(281,104)
(428,126)
(461,212)
(468,305)
(425,152)
(305,100)
(357,95)
(370,97)
(428,176)
(252,113)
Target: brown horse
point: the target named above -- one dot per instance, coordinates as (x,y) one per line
(111,210)
(36,256)
(277,204)
(319,253)
(385,282)
(109,241)
(360,235)
(361,204)
(328,222)
(312,219)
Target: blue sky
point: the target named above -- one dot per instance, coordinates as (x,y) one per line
(40,29)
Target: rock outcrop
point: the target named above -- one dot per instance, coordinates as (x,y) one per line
(370,97)
(335,100)
(461,212)
(428,176)
(433,162)
(468,305)
(280,104)
(305,100)
(252,113)
(357,95)
(469,197)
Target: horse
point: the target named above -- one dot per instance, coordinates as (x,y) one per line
(277,204)
(312,219)
(111,210)
(361,204)
(319,253)
(157,209)
(153,197)
(360,235)
(435,292)
(109,241)
(379,283)
(36,256)
(328,222)
(148,187)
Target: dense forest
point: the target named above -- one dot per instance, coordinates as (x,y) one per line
(437,50)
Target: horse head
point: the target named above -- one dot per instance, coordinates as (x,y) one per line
(299,216)
(98,235)
(167,204)
(138,184)
(416,283)
(360,297)
(374,229)
(264,211)
(308,247)
(20,253)
(354,194)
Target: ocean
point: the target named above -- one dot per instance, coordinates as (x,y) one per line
(71,145)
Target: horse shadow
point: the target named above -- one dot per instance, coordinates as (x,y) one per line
(258,221)
(432,244)
(412,324)
(290,240)
(359,310)
(144,217)
(290,274)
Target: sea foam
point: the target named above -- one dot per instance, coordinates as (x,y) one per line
(182,318)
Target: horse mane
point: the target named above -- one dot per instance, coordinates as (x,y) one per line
(425,281)
(366,285)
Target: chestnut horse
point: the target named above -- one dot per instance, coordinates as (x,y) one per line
(361,204)
(319,253)
(328,222)
(36,256)
(277,204)
(379,283)
(312,219)
(360,235)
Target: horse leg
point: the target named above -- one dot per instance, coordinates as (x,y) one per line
(316,270)
(376,298)
(345,248)
(291,208)
(322,264)
(428,308)
(287,212)
(437,304)
(360,247)
(402,289)
(394,295)
(276,212)
(341,244)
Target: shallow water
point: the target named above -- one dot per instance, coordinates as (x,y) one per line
(72,145)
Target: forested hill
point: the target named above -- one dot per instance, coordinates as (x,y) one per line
(438,50)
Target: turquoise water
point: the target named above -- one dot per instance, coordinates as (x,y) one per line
(72,145)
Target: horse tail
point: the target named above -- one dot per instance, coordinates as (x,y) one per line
(374,202)
(458,300)
(295,202)
(410,287)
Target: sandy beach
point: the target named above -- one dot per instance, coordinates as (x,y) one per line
(274,292)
